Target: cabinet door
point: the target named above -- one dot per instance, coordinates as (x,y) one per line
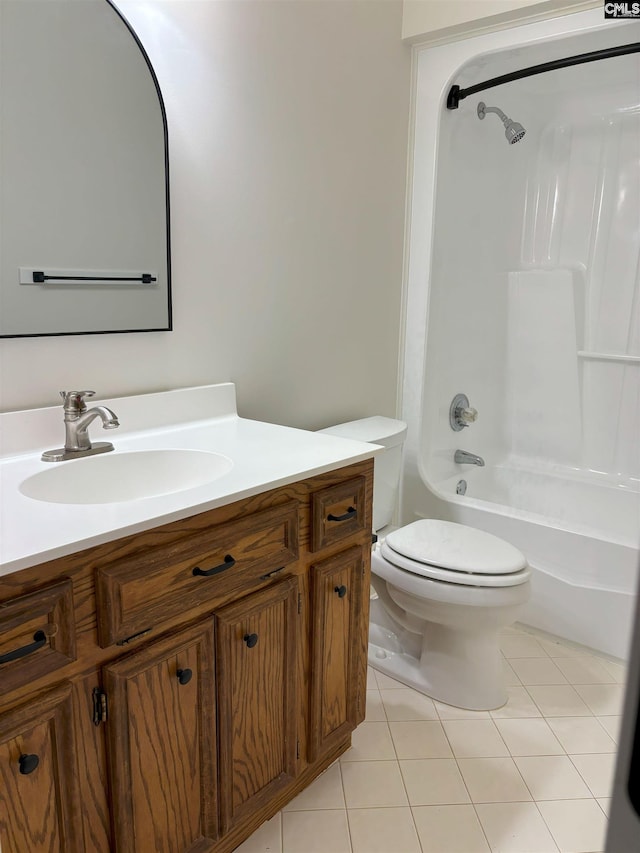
(38,777)
(161,739)
(256,654)
(336,591)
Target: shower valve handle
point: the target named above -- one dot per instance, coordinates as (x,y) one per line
(467,415)
(461,414)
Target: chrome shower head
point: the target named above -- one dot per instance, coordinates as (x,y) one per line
(513,130)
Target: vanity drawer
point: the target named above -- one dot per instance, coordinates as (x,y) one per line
(138,592)
(37,634)
(338,512)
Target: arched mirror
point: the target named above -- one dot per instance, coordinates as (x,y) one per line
(84,192)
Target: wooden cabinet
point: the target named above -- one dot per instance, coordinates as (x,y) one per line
(161,739)
(140,590)
(194,678)
(336,589)
(337,512)
(256,650)
(39,796)
(37,634)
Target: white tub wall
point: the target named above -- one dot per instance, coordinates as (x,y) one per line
(537,109)
(581,218)
(287,146)
(596,509)
(558,216)
(479,186)
(435,68)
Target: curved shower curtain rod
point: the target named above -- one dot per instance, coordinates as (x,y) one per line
(456,94)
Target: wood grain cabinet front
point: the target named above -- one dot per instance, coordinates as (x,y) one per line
(161,744)
(37,634)
(145,589)
(337,512)
(336,662)
(39,794)
(168,713)
(256,651)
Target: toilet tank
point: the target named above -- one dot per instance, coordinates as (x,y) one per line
(387,465)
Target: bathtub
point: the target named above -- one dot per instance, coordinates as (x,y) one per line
(521,292)
(581,537)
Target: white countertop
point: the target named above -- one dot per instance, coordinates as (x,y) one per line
(264,456)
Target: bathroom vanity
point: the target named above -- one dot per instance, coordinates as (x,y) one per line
(170,688)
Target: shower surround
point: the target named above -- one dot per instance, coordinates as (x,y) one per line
(524,294)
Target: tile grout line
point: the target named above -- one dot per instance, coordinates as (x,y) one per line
(543,716)
(464,782)
(579,771)
(527,696)
(453,755)
(344,797)
(569,755)
(404,784)
(597,799)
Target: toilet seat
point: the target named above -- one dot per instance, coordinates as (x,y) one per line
(454,553)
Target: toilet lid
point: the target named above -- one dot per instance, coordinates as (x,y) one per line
(456,547)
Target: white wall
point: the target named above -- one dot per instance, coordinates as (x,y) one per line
(288,135)
(443,20)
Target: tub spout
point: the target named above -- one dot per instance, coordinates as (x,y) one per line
(463,457)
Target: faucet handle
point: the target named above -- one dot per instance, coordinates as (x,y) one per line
(467,415)
(74,400)
(461,414)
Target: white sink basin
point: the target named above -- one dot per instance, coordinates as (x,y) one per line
(125,476)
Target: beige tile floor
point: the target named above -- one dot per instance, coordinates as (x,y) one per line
(422,777)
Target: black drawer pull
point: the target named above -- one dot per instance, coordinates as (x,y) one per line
(39,639)
(184,675)
(350,513)
(250,640)
(28,763)
(341,590)
(229,563)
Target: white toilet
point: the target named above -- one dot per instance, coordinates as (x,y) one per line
(444,591)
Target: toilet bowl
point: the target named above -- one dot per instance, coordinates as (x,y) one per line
(442,591)
(453,588)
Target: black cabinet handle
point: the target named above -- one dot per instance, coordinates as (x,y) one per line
(39,639)
(229,563)
(341,590)
(184,675)
(250,640)
(28,763)
(350,513)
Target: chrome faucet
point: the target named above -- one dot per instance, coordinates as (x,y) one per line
(463,457)
(76,424)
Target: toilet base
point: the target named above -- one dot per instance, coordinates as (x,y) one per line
(459,668)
